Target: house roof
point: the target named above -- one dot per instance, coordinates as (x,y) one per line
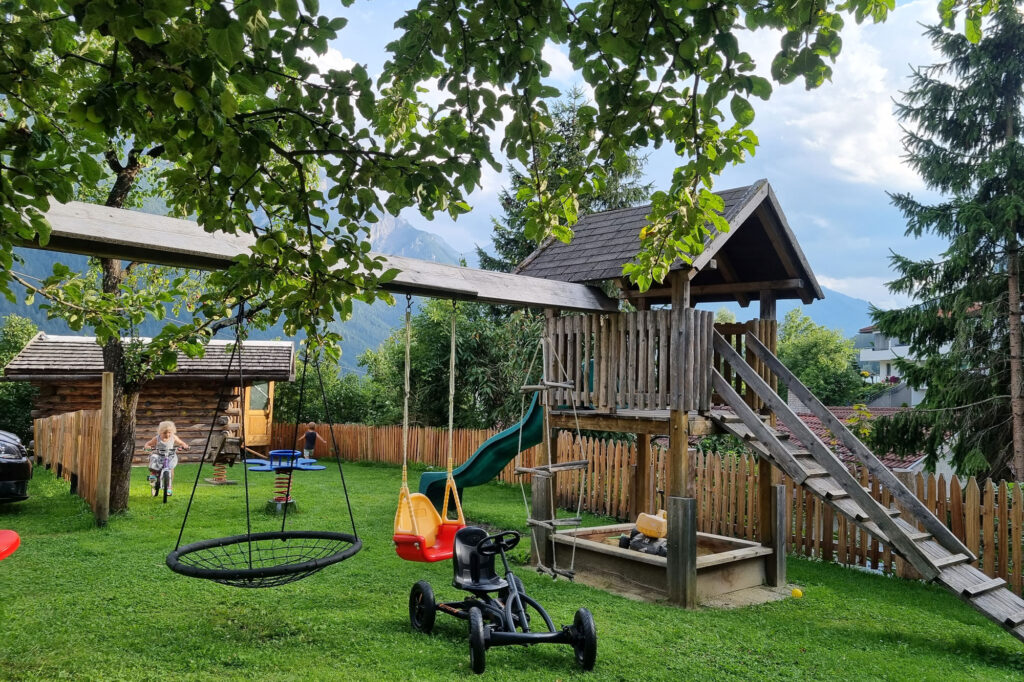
(759,252)
(891,460)
(49,357)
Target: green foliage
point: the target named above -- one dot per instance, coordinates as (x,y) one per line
(964,137)
(621,186)
(347,398)
(820,358)
(16,397)
(492,354)
(724,316)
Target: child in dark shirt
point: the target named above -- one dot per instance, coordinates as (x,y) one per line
(310,437)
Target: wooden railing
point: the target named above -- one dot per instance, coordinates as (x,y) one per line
(69,445)
(735,333)
(427,445)
(645,360)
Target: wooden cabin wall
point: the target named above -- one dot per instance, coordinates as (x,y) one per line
(189,404)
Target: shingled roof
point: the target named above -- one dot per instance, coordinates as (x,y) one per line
(49,357)
(759,250)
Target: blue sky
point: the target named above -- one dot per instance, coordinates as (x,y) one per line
(831,154)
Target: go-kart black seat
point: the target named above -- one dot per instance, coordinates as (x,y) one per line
(474,572)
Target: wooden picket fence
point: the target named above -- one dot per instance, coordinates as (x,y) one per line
(69,445)
(987,517)
(427,445)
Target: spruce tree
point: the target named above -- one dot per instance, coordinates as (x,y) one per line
(963,136)
(622,186)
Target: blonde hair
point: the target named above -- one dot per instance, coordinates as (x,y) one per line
(167,426)
(311,425)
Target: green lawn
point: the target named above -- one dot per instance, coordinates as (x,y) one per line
(76,601)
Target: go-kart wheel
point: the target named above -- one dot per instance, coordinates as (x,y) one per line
(422,609)
(585,640)
(477,650)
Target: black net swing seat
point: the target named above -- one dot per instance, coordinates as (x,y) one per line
(263,559)
(266,559)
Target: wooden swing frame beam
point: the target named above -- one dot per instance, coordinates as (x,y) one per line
(105,232)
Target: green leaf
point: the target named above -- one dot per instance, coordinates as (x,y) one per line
(741,110)
(289,10)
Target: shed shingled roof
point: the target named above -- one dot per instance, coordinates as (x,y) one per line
(765,252)
(49,357)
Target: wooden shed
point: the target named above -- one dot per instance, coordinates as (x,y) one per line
(67,371)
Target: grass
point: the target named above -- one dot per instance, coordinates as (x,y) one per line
(77,601)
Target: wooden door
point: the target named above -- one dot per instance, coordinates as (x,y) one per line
(259,412)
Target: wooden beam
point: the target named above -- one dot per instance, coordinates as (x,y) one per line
(131,235)
(750,203)
(767,302)
(729,273)
(655,425)
(777,243)
(745,287)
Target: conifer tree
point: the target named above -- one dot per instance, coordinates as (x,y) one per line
(963,123)
(621,186)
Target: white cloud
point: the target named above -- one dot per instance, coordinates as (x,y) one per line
(332,59)
(850,120)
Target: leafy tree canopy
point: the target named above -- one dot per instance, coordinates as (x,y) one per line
(820,358)
(16,397)
(248,136)
(492,355)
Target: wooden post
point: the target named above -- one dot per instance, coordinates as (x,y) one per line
(644,472)
(102,510)
(767,305)
(776,568)
(542,504)
(679,421)
(682,551)
(765,497)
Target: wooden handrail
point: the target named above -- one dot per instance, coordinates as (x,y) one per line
(900,493)
(827,459)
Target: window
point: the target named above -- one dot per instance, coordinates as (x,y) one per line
(259,395)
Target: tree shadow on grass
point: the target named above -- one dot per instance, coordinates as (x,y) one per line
(962,648)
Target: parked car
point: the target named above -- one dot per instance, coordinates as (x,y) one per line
(15,469)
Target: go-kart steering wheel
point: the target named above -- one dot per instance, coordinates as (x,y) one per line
(499,542)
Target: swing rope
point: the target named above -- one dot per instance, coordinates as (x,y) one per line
(404,495)
(450,481)
(261,559)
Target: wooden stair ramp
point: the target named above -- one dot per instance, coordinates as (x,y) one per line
(921,539)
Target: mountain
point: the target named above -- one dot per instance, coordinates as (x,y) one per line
(836,311)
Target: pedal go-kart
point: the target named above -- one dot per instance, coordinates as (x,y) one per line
(504,618)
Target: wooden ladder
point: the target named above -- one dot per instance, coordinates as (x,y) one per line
(934,551)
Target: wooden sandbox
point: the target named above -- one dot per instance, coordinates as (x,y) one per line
(724,564)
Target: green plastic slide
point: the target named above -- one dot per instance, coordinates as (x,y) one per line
(490,458)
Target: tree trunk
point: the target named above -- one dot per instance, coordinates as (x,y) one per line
(125,400)
(1016,378)
(126,395)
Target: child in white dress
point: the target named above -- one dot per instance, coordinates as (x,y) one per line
(166,443)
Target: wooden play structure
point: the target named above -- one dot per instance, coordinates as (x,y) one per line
(663,368)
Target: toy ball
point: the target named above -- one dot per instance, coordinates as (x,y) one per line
(797,593)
